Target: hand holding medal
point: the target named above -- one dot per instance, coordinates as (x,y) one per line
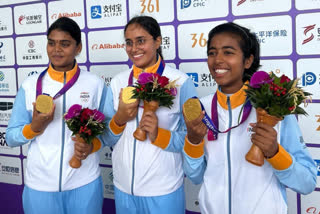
(193,115)
(42,113)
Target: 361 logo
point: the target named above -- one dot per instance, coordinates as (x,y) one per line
(200,40)
(309,78)
(151,6)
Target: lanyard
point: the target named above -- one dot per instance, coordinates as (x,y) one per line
(213,124)
(159,71)
(63,90)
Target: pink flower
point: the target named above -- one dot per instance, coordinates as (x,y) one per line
(284,78)
(173,91)
(145,78)
(259,78)
(73,111)
(98,116)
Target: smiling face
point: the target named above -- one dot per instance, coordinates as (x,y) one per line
(62,50)
(143,51)
(226,62)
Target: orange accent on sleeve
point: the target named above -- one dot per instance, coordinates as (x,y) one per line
(282,160)
(163,138)
(193,150)
(115,128)
(28,133)
(96,144)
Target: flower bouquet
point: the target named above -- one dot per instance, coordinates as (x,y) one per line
(155,91)
(273,98)
(84,123)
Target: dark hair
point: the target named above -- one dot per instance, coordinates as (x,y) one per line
(150,25)
(67,25)
(248,44)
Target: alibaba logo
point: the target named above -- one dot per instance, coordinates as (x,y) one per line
(94,47)
(306,30)
(241,2)
(54,16)
(21,18)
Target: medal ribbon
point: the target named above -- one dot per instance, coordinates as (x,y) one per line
(213,124)
(159,71)
(63,90)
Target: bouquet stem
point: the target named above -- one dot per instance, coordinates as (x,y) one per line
(139,134)
(75,162)
(255,155)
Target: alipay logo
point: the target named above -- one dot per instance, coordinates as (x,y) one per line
(308,78)
(195,78)
(317,162)
(96,12)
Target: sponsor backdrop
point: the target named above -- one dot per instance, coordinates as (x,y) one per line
(288,31)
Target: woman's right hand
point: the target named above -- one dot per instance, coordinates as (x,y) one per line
(40,121)
(125,112)
(196,129)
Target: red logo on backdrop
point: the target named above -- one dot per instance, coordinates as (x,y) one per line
(21,18)
(59,15)
(306,30)
(107,46)
(241,2)
(31,44)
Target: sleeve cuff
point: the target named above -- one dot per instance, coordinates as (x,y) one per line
(28,133)
(282,160)
(163,138)
(193,150)
(96,145)
(115,128)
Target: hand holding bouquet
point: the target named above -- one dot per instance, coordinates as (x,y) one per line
(155,91)
(273,97)
(84,123)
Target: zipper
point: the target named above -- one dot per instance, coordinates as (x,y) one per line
(134,157)
(228,154)
(62,134)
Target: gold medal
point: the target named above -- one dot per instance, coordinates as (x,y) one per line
(127,94)
(192,109)
(44,103)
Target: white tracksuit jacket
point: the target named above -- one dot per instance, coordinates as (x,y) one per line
(230,184)
(141,168)
(49,153)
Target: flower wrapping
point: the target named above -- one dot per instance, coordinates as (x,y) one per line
(278,96)
(88,123)
(153,87)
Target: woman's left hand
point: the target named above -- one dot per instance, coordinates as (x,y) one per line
(265,137)
(81,149)
(149,124)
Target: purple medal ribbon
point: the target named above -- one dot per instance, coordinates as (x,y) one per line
(64,89)
(213,124)
(159,71)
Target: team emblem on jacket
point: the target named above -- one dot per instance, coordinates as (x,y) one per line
(84,97)
(249,131)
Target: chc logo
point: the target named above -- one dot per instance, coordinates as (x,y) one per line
(195,78)
(96,12)
(308,78)
(306,30)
